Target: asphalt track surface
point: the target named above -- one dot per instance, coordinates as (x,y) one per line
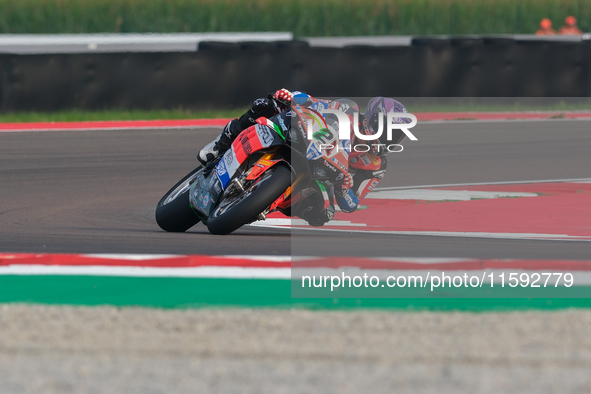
(95,191)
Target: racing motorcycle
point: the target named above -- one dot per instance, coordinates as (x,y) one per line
(271,166)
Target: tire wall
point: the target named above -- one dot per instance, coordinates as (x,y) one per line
(221,75)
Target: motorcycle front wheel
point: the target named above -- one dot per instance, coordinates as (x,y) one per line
(239,208)
(173,212)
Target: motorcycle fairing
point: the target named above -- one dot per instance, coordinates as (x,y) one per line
(367,186)
(260,168)
(255,138)
(263,165)
(365,161)
(282,202)
(207,189)
(204,193)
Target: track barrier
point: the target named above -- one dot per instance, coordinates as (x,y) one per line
(223,74)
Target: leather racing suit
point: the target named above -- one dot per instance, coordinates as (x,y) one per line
(366,169)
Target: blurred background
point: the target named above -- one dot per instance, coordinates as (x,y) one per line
(84,191)
(205,55)
(305,18)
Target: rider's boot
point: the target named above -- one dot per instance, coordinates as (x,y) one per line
(209,152)
(221,144)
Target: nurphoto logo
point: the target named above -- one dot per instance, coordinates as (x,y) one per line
(393,122)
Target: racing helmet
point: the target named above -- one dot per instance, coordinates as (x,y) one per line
(346,105)
(378,106)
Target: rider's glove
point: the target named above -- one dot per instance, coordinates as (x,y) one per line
(282,97)
(343,186)
(347,182)
(263,107)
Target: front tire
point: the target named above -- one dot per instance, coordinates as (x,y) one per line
(256,198)
(173,212)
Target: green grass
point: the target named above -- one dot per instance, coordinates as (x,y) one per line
(249,293)
(415,105)
(77,115)
(303,17)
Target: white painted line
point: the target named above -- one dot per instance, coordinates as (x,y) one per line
(532,236)
(527,236)
(440,122)
(272,259)
(283,222)
(138,38)
(572,180)
(461,234)
(133,257)
(581,278)
(438,195)
(183,272)
(426,260)
(135,128)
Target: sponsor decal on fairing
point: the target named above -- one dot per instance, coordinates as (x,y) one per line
(227,167)
(265,135)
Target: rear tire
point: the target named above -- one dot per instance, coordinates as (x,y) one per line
(173,212)
(246,210)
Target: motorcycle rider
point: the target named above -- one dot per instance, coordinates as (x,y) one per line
(262,107)
(366,169)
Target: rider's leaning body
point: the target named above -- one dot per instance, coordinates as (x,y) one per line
(366,169)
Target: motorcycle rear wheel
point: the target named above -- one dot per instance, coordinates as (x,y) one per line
(236,211)
(173,212)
